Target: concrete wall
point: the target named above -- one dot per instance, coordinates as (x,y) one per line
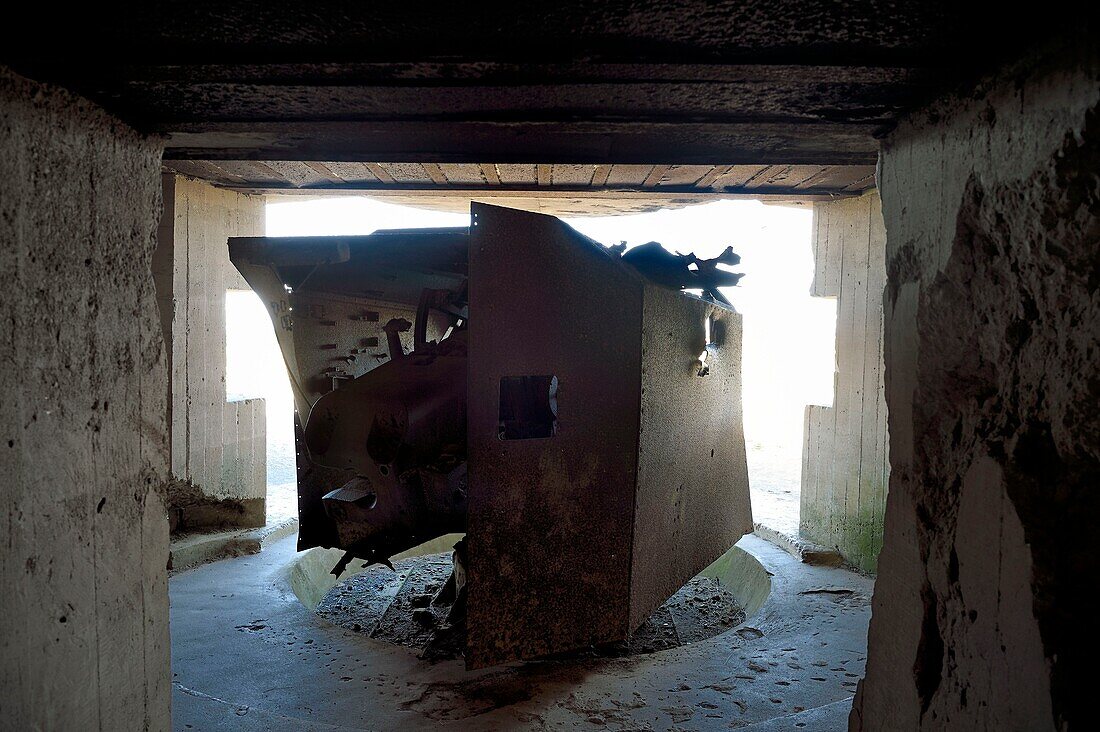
(83,441)
(844,460)
(218,449)
(982,609)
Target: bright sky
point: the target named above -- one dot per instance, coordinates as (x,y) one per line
(788,336)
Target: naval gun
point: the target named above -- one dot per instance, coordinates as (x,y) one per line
(573,410)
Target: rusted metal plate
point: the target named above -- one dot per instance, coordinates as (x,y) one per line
(692,500)
(577,535)
(550,518)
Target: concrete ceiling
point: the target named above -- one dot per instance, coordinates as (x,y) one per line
(557,188)
(755,82)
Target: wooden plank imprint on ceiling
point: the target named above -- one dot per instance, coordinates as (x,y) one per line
(278,175)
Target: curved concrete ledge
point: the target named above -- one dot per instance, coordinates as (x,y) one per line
(745,577)
(310,574)
(188,551)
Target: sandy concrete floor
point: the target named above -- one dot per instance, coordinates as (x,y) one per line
(247,655)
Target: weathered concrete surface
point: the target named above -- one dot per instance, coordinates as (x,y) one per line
(983,607)
(845,452)
(799,547)
(218,448)
(84,459)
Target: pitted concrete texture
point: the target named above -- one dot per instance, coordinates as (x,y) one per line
(992,210)
(247,655)
(83,442)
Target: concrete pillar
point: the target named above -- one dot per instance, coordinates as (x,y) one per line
(83,440)
(218,448)
(844,460)
(982,608)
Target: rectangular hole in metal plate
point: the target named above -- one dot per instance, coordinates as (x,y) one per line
(528,407)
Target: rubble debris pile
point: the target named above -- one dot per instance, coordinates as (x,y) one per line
(397,607)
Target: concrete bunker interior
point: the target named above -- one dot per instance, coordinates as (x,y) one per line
(982,131)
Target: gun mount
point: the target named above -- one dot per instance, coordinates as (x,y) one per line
(520,383)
